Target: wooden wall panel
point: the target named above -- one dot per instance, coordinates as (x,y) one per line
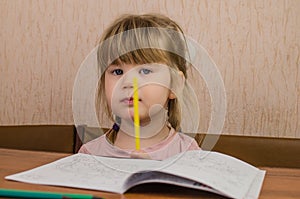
(255,44)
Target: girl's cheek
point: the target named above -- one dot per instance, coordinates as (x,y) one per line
(108,93)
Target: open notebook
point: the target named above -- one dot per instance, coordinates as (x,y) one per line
(202,170)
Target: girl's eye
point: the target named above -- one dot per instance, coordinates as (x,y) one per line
(145,71)
(117,72)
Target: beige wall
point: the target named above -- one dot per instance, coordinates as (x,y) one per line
(255,44)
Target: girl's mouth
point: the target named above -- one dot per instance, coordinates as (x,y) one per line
(128,101)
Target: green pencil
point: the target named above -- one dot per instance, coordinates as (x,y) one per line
(13,193)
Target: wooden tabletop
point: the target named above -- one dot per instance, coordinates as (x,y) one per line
(279,182)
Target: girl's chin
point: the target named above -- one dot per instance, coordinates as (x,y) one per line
(143,116)
(130,118)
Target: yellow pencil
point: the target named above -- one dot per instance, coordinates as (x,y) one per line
(136,117)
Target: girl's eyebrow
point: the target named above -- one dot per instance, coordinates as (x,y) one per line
(114,66)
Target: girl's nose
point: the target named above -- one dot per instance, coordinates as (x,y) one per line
(127,82)
(128,77)
(127,85)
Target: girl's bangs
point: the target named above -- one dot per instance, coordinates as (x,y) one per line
(137,47)
(142,56)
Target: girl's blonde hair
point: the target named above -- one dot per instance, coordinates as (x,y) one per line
(157,33)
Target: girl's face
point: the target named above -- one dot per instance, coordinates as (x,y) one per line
(153,89)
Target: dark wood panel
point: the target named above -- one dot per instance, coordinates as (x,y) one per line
(56,138)
(259,151)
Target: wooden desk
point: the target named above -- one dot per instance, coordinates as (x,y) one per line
(278,183)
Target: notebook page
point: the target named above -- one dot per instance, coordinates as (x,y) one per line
(226,174)
(85,171)
(255,188)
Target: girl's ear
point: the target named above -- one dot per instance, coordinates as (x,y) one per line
(172,95)
(180,81)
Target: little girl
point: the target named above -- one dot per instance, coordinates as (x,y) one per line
(152,49)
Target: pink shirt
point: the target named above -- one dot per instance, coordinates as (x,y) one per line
(175,143)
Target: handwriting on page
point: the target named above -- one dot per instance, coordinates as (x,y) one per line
(78,170)
(90,171)
(216,170)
